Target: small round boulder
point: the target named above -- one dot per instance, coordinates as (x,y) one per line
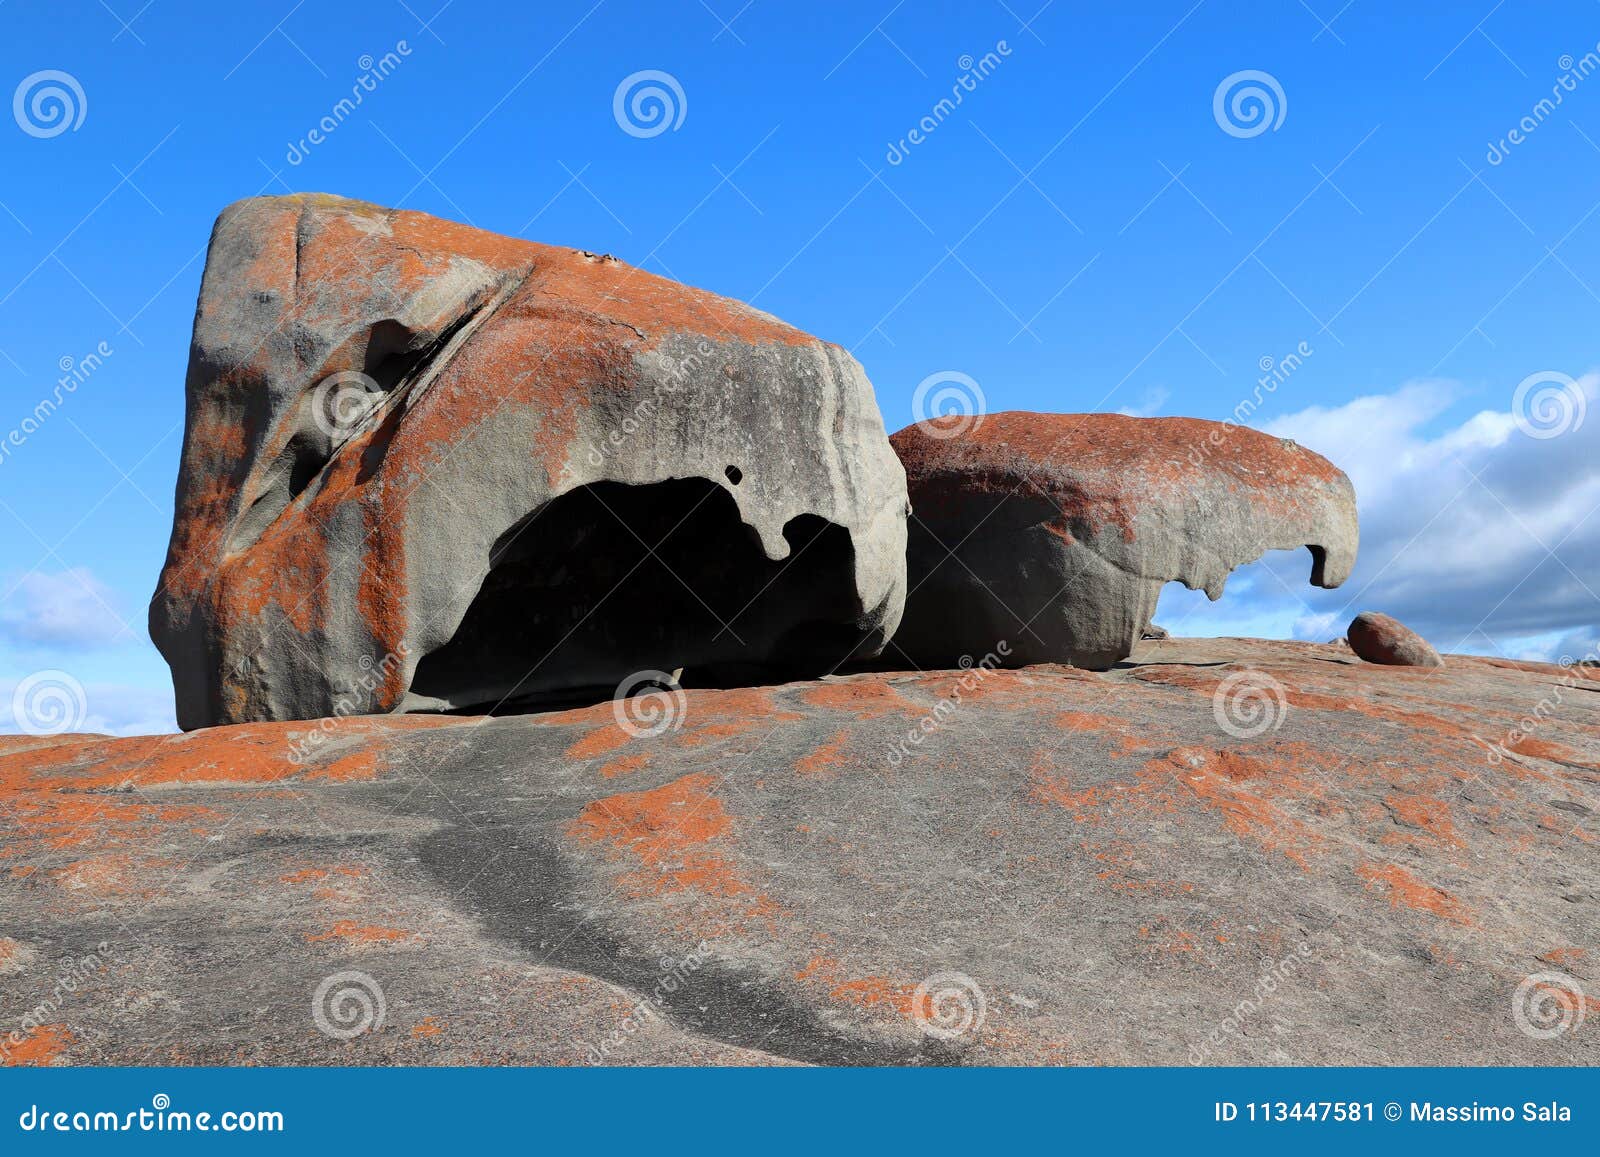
(1379,638)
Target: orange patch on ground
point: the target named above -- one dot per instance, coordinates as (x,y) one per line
(828,760)
(1563,957)
(427,1028)
(1252,792)
(601,741)
(1554,752)
(865,700)
(1085,721)
(252,753)
(1405,890)
(1131,735)
(1425,812)
(624,765)
(43,1046)
(110,876)
(311,875)
(350,931)
(1243,789)
(70,820)
(863,992)
(694,737)
(359,765)
(665,828)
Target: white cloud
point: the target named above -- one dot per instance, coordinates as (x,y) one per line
(54,698)
(1480,536)
(65,610)
(1149,403)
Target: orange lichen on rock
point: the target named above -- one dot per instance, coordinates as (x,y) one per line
(1564,957)
(358,765)
(45,1045)
(312,875)
(601,741)
(427,1028)
(352,932)
(863,699)
(734,712)
(1131,736)
(863,992)
(1086,721)
(665,829)
(1425,812)
(109,876)
(1406,891)
(624,765)
(827,760)
(1243,789)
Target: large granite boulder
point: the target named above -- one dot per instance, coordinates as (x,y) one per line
(428,467)
(1040,538)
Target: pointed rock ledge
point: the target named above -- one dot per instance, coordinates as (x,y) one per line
(428,467)
(1054,533)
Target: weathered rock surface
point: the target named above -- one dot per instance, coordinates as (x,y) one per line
(1380,638)
(1130,868)
(427,466)
(1056,532)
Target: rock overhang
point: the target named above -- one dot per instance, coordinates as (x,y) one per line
(377,397)
(1056,532)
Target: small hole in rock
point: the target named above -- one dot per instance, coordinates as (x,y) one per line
(735,475)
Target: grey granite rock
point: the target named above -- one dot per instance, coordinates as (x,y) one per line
(428,467)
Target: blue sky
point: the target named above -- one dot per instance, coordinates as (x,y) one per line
(1081,233)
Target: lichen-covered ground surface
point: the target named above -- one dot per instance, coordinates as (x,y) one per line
(1119,878)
